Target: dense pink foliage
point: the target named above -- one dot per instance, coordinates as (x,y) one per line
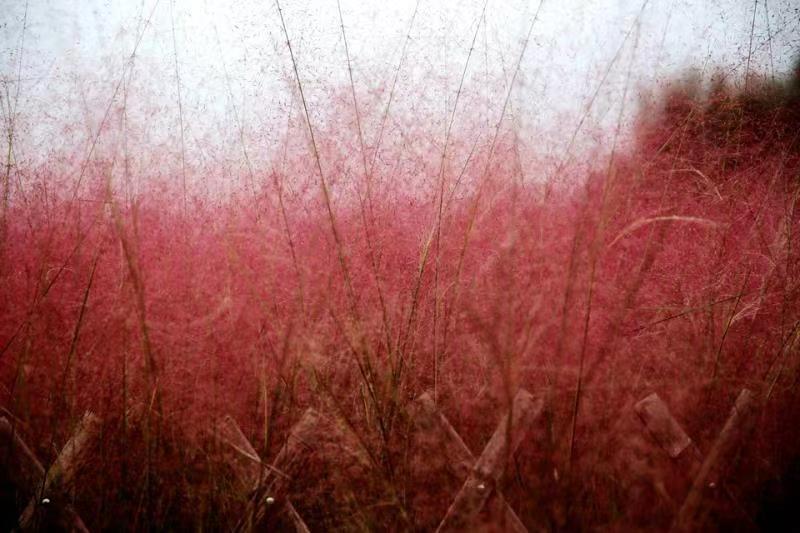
(673,269)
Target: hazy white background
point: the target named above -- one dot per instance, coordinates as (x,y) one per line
(69,73)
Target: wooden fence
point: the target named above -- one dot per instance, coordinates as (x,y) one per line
(265,485)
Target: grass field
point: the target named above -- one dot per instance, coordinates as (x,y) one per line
(329,282)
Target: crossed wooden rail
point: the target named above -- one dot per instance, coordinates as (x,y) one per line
(265,486)
(669,434)
(483,474)
(47,490)
(260,484)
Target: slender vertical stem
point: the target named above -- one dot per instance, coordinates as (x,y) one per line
(180,102)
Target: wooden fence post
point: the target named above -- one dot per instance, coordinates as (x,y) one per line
(738,424)
(429,419)
(249,468)
(275,478)
(666,431)
(44,490)
(485,474)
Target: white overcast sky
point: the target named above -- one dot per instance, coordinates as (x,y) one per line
(236,78)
